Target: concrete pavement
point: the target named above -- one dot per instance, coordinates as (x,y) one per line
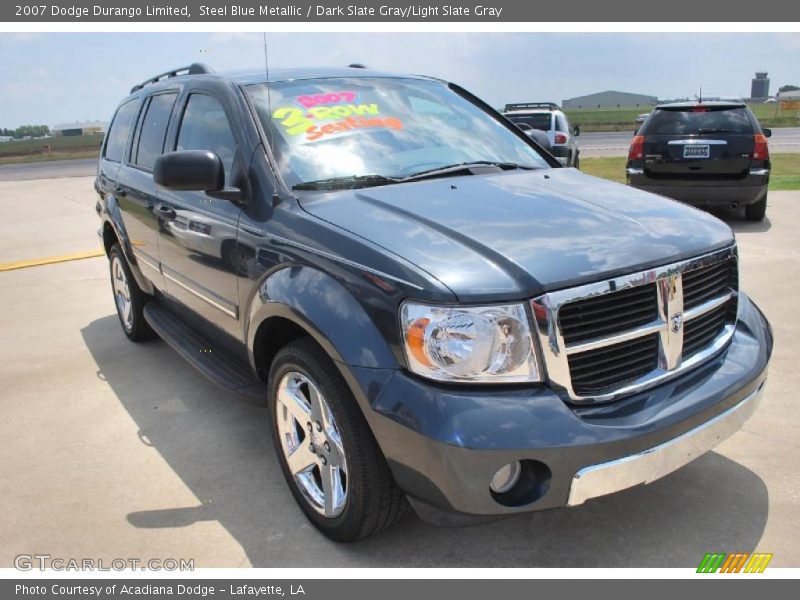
(114,449)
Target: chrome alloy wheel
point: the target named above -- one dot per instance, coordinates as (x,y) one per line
(122,293)
(311,444)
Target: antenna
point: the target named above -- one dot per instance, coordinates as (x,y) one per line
(701,94)
(266,70)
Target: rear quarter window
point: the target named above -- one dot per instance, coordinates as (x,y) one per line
(120,130)
(692,121)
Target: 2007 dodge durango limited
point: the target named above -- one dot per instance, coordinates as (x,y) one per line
(435,312)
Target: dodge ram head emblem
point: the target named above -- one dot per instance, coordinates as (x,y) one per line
(676,322)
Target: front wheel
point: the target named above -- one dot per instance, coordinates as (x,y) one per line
(577,163)
(756,212)
(327,453)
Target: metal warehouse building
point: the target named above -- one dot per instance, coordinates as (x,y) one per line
(610,99)
(75,129)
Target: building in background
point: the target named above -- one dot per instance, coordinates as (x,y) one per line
(77,129)
(759,88)
(6,138)
(610,99)
(789,100)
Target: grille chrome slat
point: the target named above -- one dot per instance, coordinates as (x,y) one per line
(606,339)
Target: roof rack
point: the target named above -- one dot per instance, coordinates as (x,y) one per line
(357,66)
(193,69)
(531,105)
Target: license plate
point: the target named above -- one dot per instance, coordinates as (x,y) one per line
(696,151)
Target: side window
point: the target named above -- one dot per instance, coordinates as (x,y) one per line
(561,124)
(205,127)
(120,128)
(153,130)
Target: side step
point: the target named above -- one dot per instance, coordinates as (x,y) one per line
(212,361)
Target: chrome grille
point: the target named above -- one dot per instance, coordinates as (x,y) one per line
(609,313)
(596,370)
(607,339)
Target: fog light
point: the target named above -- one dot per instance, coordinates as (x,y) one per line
(506,477)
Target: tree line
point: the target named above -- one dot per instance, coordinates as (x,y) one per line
(26,130)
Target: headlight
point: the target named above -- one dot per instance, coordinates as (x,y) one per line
(488,344)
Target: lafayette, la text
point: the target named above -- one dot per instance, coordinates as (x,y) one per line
(415,11)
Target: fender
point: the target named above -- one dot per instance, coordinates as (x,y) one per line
(112,216)
(326,309)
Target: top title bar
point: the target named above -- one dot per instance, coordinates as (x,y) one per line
(509,11)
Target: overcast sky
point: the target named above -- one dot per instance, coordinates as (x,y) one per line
(57,78)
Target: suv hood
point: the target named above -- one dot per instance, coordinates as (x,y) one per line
(515,234)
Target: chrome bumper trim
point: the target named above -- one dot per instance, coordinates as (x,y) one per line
(661,460)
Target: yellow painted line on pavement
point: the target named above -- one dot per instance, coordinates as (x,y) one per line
(50,260)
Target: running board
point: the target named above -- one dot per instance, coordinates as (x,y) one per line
(212,361)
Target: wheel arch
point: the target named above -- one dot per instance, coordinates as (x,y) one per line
(298,301)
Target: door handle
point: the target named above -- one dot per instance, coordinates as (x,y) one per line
(119,191)
(165,212)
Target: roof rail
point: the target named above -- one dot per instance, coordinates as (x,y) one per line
(529,105)
(193,69)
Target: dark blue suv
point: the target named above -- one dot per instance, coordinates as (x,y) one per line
(435,313)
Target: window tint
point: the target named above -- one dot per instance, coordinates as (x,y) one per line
(561,123)
(540,121)
(153,130)
(120,128)
(205,127)
(693,120)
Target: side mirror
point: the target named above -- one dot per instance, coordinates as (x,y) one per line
(196,170)
(576,131)
(767,132)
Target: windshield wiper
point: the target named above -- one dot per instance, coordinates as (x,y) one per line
(714,130)
(347,182)
(456,168)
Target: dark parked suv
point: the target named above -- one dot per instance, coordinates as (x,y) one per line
(435,313)
(709,154)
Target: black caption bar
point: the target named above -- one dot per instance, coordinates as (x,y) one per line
(339,589)
(744,11)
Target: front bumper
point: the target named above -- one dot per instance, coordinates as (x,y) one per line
(444,443)
(654,463)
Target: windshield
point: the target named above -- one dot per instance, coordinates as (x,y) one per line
(699,120)
(540,121)
(392,127)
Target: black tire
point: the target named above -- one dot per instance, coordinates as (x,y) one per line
(756,212)
(373,502)
(577,163)
(137,328)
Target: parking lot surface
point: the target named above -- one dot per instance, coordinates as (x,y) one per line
(118,450)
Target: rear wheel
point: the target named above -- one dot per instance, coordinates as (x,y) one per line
(327,453)
(129,299)
(757,211)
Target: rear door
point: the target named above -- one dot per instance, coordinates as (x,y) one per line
(698,143)
(137,197)
(115,147)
